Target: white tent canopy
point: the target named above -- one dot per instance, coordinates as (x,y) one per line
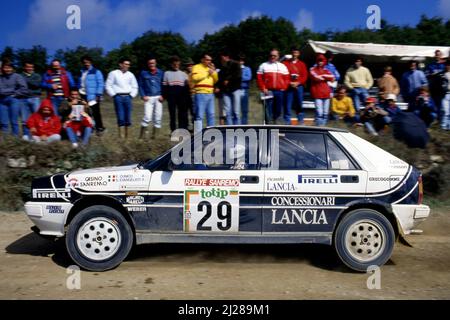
(374,49)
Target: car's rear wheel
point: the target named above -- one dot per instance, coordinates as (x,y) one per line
(99,238)
(363,238)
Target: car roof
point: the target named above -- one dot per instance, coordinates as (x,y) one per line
(284,127)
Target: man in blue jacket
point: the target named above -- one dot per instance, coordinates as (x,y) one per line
(92,84)
(411,83)
(150,90)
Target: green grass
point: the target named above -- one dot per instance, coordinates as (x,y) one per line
(109,150)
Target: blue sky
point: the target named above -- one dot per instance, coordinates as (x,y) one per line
(108,23)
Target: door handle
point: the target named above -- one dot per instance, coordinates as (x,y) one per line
(349,179)
(249,179)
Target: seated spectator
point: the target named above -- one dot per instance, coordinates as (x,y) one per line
(425,107)
(342,107)
(373,117)
(45,125)
(391,107)
(78,123)
(79,127)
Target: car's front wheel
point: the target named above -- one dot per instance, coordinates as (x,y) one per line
(363,238)
(99,238)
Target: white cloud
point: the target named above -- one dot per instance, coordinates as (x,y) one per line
(304,20)
(252,14)
(107,25)
(444,8)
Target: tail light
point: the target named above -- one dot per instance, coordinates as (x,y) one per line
(420,190)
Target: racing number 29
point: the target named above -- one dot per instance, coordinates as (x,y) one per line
(223,214)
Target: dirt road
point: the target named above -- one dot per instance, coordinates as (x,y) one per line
(34,268)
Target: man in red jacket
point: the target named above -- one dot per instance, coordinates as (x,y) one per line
(273,80)
(320,90)
(294,95)
(44,125)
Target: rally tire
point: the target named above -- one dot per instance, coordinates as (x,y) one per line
(363,238)
(99,238)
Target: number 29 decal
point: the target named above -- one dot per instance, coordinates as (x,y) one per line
(211,210)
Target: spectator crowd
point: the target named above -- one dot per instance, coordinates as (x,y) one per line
(71,108)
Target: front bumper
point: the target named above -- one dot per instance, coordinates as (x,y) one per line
(49,217)
(409,216)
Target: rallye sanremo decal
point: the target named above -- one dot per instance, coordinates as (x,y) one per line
(211,205)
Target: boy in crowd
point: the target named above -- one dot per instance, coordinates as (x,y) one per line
(373,117)
(342,107)
(79,125)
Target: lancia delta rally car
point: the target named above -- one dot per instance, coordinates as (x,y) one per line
(329,187)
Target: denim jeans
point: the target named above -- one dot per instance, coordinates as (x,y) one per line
(274,106)
(294,98)
(123,107)
(322,111)
(87,132)
(204,103)
(359,95)
(445,120)
(9,114)
(244,106)
(52,138)
(56,101)
(27,108)
(232,107)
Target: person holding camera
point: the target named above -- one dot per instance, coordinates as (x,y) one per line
(425,107)
(78,125)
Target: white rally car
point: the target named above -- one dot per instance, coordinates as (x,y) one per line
(307,185)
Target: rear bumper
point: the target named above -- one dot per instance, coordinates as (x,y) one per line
(48,217)
(409,216)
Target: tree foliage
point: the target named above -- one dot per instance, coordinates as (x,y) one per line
(253,37)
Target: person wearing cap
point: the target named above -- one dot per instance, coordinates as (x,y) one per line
(320,91)
(359,80)
(411,83)
(245,86)
(373,117)
(391,107)
(294,94)
(342,107)
(44,124)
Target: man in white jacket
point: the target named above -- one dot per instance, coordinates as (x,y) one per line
(122,86)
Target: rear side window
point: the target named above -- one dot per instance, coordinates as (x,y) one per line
(302,151)
(338,159)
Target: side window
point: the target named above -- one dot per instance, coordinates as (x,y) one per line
(214,154)
(338,159)
(302,151)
